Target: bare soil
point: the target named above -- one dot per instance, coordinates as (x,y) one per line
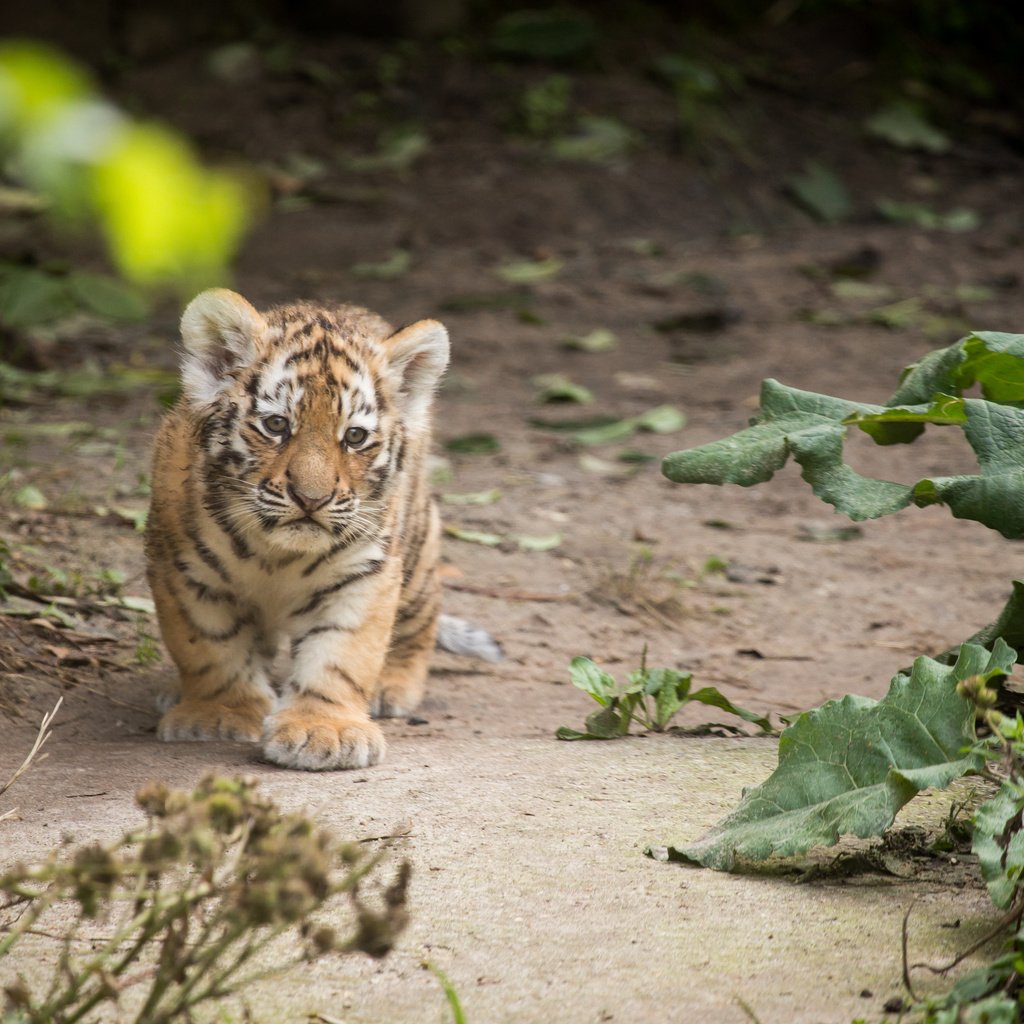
(530,887)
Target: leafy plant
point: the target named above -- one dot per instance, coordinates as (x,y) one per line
(166,220)
(827,785)
(188,904)
(847,767)
(651,697)
(992,992)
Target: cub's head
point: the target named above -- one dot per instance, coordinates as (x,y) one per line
(305,415)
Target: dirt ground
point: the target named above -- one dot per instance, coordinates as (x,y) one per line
(530,889)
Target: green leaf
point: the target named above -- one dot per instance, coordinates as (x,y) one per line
(671,690)
(30,497)
(30,297)
(563,732)
(849,766)
(955,221)
(897,316)
(556,387)
(713,698)
(1009,625)
(589,678)
(598,340)
(616,430)
(397,150)
(902,425)
(472,497)
(662,419)
(106,297)
(597,140)
(488,540)
(473,444)
(903,125)
(999,843)
(806,426)
(607,723)
(821,192)
(527,272)
(543,542)
(993,498)
(394,266)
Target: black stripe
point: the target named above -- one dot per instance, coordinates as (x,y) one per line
(412,608)
(369,569)
(206,593)
(208,558)
(329,553)
(300,640)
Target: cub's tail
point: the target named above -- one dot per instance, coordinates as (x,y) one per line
(462,637)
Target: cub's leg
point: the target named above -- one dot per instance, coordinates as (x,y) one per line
(225,692)
(338,649)
(415,631)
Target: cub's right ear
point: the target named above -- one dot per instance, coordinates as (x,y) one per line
(222,332)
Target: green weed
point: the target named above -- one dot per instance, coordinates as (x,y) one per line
(650,698)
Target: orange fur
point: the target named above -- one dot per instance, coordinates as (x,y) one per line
(292,543)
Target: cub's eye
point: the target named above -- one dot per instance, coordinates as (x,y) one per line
(356,436)
(277,426)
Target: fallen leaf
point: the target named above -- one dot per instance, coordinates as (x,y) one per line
(472,497)
(473,444)
(490,540)
(903,125)
(556,387)
(547,542)
(821,192)
(394,266)
(598,340)
(527,272)
(30,497)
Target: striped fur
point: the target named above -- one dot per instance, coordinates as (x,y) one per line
(292,542)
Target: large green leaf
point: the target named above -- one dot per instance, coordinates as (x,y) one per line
(999,843)
(992,359)
(810,428)
(996,433)
(849,766)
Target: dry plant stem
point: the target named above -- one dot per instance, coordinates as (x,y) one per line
(41,737)
(1013,913)
(906,965)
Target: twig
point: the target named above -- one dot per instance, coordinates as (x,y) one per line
(906,965)
(742,1003)
(510,595)
(41,737)
(1015,911)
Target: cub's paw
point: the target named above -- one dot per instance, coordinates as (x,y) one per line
(400,692)
(384,706)
(210,720)
(299,737)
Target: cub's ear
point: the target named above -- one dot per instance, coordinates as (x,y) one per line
(417,356)
(222,332)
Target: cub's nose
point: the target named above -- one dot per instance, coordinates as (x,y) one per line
(309,503)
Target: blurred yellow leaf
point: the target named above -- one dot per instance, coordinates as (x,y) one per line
(164,216)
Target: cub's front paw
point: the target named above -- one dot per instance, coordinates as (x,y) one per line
(315,740)
(210,720)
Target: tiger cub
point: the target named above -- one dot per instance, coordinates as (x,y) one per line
(292,543)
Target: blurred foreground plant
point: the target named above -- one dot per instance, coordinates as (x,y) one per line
(166,220)
(187,905)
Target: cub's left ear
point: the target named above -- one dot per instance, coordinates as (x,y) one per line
(417,356)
